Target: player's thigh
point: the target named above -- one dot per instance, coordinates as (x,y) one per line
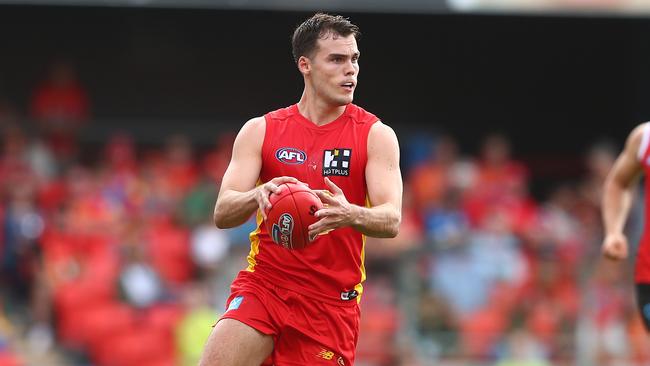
(233,343)
(297,349)
(319,335)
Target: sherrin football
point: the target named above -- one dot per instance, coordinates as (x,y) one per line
(292,211)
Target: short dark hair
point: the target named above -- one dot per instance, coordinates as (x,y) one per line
(306,35)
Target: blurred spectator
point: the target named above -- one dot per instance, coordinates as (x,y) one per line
(181,169)
(60,106)
(216,161)
(599,161)
(602,332)
(439,322)
(447,224)
(140,283)
(523,350)
(209,247)
(24,159)
(22,227)
(464,274)
(429,179)
(195,326)
(501,182)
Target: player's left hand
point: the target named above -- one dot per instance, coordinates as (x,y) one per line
(337,211)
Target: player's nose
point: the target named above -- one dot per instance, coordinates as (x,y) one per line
(349,68)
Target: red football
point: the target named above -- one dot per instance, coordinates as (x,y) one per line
(292,211)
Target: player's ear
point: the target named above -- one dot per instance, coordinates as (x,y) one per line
(304,65)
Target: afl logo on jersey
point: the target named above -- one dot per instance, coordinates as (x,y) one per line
(282,231)
(290,155)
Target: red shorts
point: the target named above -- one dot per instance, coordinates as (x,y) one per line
(305,331)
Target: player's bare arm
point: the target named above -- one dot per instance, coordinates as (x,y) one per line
(239,196)
(617,196)
(384,184)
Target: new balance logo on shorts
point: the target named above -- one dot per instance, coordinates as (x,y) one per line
(325,354)
(329,355)
(337,162)
(235,303)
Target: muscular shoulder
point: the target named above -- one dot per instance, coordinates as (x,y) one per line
(382,137)
(637,141)
(637,133)
(254,126)
(380,131)
(252,133)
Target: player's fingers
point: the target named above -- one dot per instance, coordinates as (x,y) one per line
(613,254)
(321,232)
(325,196)
(619,250)
(333,187)
(272,188)
(323,212)
(284,179)
(313,232)
(265,204)
(263,208)
(323,191)
(263,197)
(323,226)
(318,226)
(623,252)
(609,256)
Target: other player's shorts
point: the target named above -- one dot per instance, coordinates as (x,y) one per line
(643,301)
(305,331)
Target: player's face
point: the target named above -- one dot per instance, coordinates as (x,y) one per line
(334,69)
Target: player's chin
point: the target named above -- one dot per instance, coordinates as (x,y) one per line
(345,99)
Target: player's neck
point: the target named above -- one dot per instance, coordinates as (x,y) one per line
(318,111)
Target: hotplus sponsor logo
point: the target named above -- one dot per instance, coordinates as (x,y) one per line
(337,162)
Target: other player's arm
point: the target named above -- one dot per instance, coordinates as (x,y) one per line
(617,196)
(239,196)
(384,184)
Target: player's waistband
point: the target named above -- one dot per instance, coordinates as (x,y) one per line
(272,281)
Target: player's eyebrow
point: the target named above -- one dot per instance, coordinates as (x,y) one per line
(333,55)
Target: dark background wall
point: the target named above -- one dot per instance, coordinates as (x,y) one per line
(553,84)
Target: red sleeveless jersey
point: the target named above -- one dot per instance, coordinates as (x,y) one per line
(331,268)
(642,268)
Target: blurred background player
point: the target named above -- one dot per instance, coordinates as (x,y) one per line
(301,307)
(617,202)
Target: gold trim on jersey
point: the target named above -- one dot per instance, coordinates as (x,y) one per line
(255,243)
(359,286)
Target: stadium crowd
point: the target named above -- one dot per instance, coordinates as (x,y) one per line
(108,255)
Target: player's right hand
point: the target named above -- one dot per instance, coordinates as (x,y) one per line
(263,191)
(615,246)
